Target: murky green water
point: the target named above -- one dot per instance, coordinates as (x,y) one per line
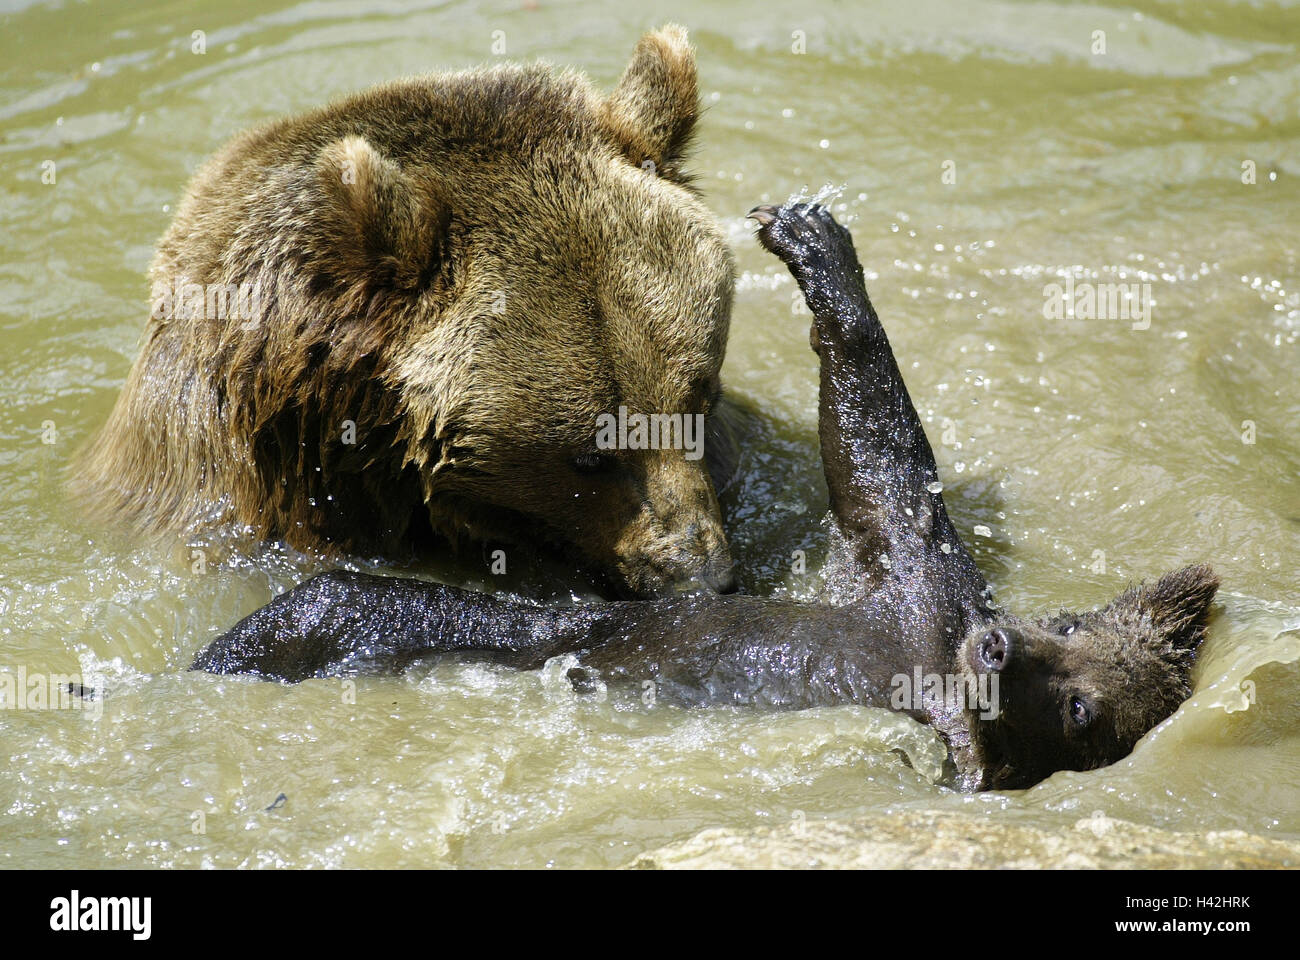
(1092,452)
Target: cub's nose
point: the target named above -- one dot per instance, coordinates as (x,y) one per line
(995,649)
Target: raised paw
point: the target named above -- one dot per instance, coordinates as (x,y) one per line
(807,238)
(818,251)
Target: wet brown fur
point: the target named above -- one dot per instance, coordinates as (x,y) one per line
(384,232)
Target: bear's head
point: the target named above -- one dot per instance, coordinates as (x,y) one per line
(1077,691)
(546,267)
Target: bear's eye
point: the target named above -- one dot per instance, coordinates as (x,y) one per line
(712,392)
(1069,627)
(1079,711)
(591,463)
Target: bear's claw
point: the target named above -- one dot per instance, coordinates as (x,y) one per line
(808,239)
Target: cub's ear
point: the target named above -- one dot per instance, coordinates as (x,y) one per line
(1179,604)
(1171,612)
(652,112)
(379,224)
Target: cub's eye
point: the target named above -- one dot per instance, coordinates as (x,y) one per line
(591,463)
(1069,628)
(1079,711)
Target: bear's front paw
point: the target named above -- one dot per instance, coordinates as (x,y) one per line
(807,238)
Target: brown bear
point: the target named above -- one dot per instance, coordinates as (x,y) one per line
(405,312)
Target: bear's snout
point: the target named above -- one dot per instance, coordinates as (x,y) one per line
(694,560)
(716,576)
(995,649)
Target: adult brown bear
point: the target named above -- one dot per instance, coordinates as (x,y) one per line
(406,310)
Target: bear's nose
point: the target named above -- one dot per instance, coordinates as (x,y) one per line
(995,649)
(717,574)
(713,578)
(722,581)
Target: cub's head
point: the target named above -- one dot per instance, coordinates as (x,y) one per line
(559,271)
(1077,691)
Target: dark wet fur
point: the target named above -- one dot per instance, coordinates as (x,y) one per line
(1075,691)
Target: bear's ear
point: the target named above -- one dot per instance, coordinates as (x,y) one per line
(1177,606)
(652,112)
(385,226)
(1180,604)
